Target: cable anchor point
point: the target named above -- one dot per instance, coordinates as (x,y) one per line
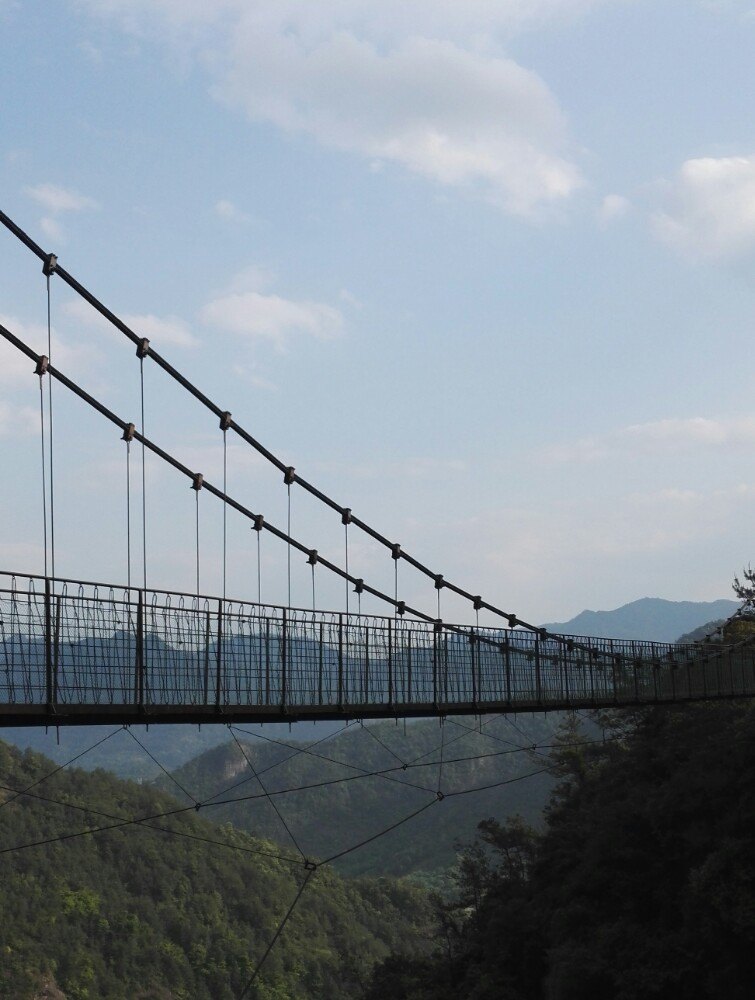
(225,420)
(49,265)
(43,363)
(289,476)
(259,520)
(142,348)
(197,482)
(128,433)
(346,515)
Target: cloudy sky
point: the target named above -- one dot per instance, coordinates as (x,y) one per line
(482,271)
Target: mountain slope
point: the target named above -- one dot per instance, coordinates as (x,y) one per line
(649,618)
(137,913)
(346,806)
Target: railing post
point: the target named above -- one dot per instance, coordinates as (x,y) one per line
(507,667)
(340,662)
(48,646)
(320,664)
(390,662)
(409,666)
(284,653)
(56,648)
(139,665)
(206,684)
(435,666)
(474,678)
(538,683)
(267,662)
(366,663)
(219,657)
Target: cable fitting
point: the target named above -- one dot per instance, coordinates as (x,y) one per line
(49,265)
(128,433)
(395,551)
(198,481)
(439,584)
(439,795)
(512,621)
(225,420)
(312,557)
(401,607)
(289,475)
(310,866)
(346,515)
(477,602)
(43,363)
(359,586)
(259,520)
(438,625)
(142,348)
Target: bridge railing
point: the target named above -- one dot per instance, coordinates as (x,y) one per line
(69,647)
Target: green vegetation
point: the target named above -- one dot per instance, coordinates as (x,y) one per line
(137,913)
(331,818)
(642,884)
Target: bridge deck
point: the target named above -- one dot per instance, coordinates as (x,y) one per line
(78,653)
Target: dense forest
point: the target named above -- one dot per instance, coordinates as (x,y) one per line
(142,914)
(641,885)
(342,804)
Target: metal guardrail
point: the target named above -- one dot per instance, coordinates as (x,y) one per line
(77,653)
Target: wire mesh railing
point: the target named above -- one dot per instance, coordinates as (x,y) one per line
(76,652)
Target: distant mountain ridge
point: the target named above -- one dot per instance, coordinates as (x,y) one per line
(648,618)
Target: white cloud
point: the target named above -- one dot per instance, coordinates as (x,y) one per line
(271,317)
(55,198)
(425,85)
(711,207)
(51,228)
(16,368)
(157,329)
(227,210)
(613,206)
(660,437)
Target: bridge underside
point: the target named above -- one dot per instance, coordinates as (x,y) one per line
(86,654)
(129,715)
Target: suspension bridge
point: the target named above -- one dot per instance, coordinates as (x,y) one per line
(80,652)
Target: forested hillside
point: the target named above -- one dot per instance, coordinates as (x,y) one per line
(343,801)
(139,913)
(642,884)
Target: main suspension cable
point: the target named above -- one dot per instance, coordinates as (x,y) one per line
(289,473)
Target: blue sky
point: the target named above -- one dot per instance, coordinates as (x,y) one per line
(482,271)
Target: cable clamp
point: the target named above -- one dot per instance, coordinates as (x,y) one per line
(439,584)
(401,607)
(49,265)
(395,551)
(359,586)
(289,476)
(198,481)
(477,602)
(438,625)
(310,866)
(142,348)
(312,557)
(259,520)
(439,795)
(128,432)
(43,363)
(512,621)
(346,515)
(225,420)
